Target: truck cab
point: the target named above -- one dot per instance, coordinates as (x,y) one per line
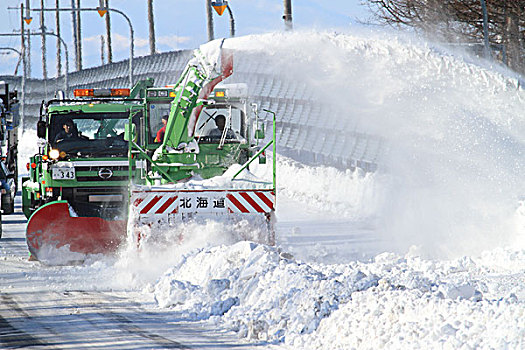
(83,157)
(214,151)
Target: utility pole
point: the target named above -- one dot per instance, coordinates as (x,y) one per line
(44,48)
(102,44)
(108,33)
(24,67)
(27,47)
(28,52)
(151,28)
(79,37)
(74,25)
(101,12)
(485,28)
(57,26)
(209,16)
(23,39)
(58,38)
(288,14)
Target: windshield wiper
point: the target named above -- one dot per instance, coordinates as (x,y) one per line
(110,151)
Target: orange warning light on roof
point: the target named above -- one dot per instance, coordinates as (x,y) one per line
(102,92)
(83,92)
(120,92)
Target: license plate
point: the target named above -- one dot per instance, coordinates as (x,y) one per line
(63,173)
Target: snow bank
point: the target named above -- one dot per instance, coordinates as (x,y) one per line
(411,319)
(256,290)
(393,301)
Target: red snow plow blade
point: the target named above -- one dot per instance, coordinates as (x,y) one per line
(52,225)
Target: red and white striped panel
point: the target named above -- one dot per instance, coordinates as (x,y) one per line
(164,203)
(151,203)
(250,202)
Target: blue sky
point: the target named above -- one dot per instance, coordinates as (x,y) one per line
(179,24)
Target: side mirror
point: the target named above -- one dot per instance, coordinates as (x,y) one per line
(41,127)
(130,132)
(259,133)
(60,95)
(262,158)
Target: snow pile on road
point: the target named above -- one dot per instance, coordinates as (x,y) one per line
(394,301)
(256,290)
(428,304)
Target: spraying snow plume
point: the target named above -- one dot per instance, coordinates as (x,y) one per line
(452,129)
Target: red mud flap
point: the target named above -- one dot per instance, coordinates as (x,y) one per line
(172,206)
(53,225)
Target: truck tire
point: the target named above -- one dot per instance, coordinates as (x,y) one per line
(8,206)
(12,207)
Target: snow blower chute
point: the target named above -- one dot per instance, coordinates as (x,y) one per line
(116,158)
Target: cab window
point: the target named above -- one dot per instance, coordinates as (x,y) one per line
(207,125)
(156,111)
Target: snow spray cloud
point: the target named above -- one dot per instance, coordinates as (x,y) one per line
(453,131)
(162,247)
(352,198)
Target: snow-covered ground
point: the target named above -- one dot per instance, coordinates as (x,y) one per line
(428,252)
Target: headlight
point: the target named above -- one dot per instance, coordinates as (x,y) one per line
(54,154)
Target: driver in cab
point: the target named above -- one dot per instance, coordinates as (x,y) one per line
(68,132)
(220,122)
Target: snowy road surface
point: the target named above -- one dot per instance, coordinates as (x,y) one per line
(41,307)
(50,307)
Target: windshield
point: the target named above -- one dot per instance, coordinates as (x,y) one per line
(88,134)
(213,120)
(209,126)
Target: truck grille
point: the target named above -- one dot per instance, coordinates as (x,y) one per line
(122,171)
(97,178)
(98,167)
